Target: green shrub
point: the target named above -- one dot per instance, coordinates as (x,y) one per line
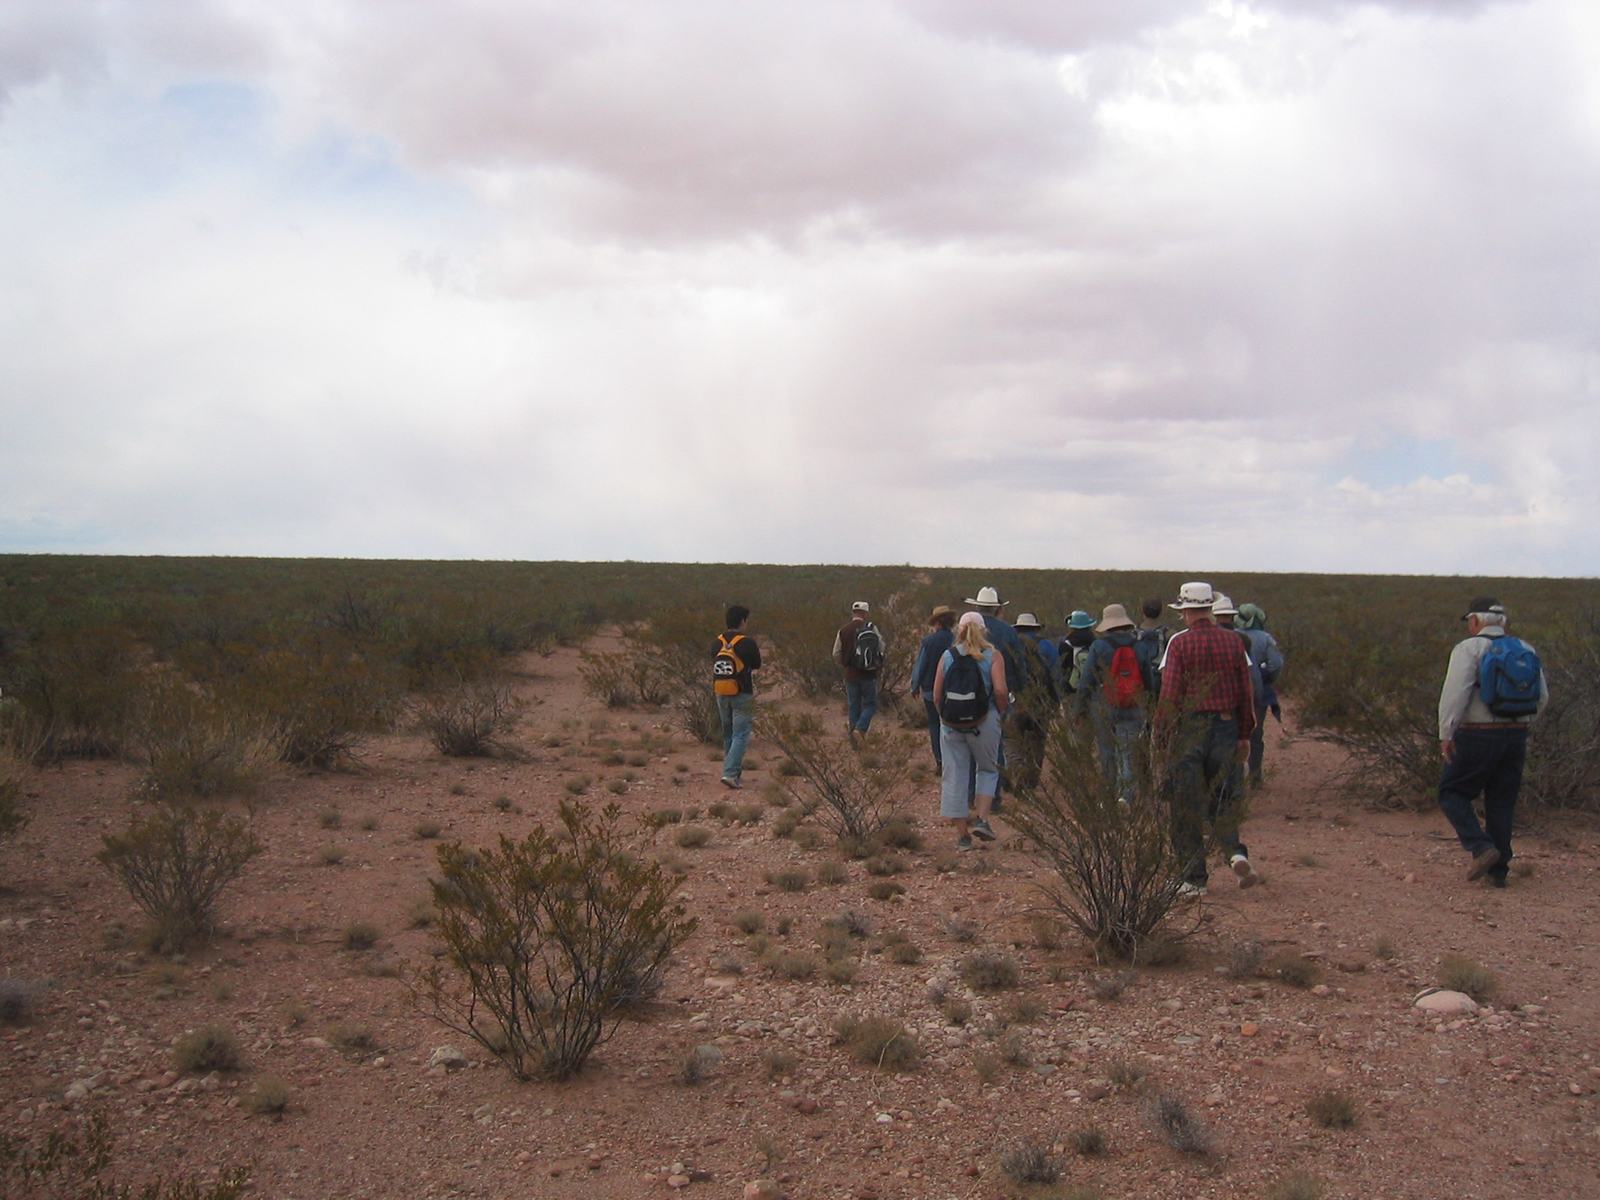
(879,1042)
(791,879)
(551,940)
(985,971)
(903,953)
(1332,1109)
(692,837)
(363,935)
(194,746)
(853,793)
(1030,1162)
(471,718)
(1296,970)
(320,696)
(270,1097)
(176,863)
(79,1162)
(1458,973)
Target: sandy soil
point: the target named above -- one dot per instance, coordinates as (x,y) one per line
(1501,1104)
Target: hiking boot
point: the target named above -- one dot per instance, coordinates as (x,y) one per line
(964,842)
(1246,873)
(1481,862)
(980,829)
(731,781)
(1192,891)
(1497,881)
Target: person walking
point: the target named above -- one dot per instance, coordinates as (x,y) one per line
(1036,706)
(1494,688)
(1153,635)
(1266,667)
(943,620)
(1115,688)
(969,688)
(737,655)
(1074,648)
(1207,706)
(1004,639)
(859,648)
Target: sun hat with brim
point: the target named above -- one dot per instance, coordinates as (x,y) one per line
(1222,606)
(987,598)
(1026,621)
(1080,620)
(943,610)
(1113,617)
(1483,604)
(1194,595)
(1253,616)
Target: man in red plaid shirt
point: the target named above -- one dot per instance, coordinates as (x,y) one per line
(1205,715)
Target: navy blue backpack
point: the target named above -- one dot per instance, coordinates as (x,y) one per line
(1508,677)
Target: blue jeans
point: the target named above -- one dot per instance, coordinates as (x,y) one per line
(735,712)
(1487,761)
(1116,733)
(862,697)
(1203,790)
(971,761)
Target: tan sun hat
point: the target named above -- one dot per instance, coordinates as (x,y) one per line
(1026,621)
(987,598)
(1195,595)
(1113,617)
(1222,606)
(943,610)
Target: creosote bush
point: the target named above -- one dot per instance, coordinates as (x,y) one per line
(1114,877)
(270,1097)
(211,1048)
(1030,1162)
(855,793)
(471,718)
(1179,1128)
(1332,1109)
(985,971)
(1297,971)
(176,863)
(362,935)
(790,879)
(80,1163)
(1297,1185)
(550,942)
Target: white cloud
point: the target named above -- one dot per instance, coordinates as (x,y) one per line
(936,280)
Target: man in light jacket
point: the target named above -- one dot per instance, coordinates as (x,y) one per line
(1483,750)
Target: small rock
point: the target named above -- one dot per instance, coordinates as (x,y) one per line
(316,1043)
(1096,1090)
(1249,1028)
(865,1192)
(1445,1002)
(677,1181)
(1322,989)
(524,1156)
(1351,964)
(1409,877)
(762,1189)
(807,1106)
(448,1057)
(484,1114)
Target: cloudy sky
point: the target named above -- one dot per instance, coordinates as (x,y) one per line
(1281,285)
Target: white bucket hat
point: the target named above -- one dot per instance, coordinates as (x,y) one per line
(1026,621)
(987,598)
(1223,607)
(1195,595)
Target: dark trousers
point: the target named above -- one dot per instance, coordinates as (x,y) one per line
(933,730)
(1204,790)
(1487,762)
(1258,743)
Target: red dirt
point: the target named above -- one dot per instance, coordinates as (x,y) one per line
(1498,1105)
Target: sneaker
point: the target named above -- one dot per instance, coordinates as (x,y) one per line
(980,829)
(1498,881)
(1481,862)
(1246,873)
(1192,891)
(731,781)
(964,842)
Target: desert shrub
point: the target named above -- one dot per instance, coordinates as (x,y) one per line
(1115,877)
(854,793)
(790,879)
(879,1042)
(12,818)
(1245,960)
(1029,1162)
(427,830)
(1111,985)
(202,1051)
(320,697)
(834,941)
(194,746)
(1458,973)
(331,855)
(749,922)
(330,818)
(855,924)
(1296,970)
(362,935)
(904,953)
(833,873)
(553,939)
(1090,1142)
(176,863)
(692,837)
(960,930)
(885,889)
(1125,1075)
(1180,1128)
(885,864)
(17,1000)
(80,1162)
(270,1097)
(357,1041)
(1332,1109)
(792,966)
(671,657)
(899,833)
(72,687)
(1297,1185)
(985,971)
(957,1012)
(779,1063)
(1013,1050)
(1024,1010)
(472,718)
(986,1065)
(842,970)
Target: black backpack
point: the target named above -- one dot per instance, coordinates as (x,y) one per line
(966,698)
(867,655)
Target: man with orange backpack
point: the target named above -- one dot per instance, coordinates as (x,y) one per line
(736,656)
(1118,683)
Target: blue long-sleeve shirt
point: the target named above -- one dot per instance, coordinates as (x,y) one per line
(927,664)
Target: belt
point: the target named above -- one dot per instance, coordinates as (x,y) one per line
(1492,725)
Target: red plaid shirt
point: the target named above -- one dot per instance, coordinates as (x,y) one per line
(1207,671)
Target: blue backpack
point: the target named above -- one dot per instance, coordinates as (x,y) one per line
(966,695)
(1508,677)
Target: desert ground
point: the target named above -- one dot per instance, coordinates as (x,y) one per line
(1496,1104)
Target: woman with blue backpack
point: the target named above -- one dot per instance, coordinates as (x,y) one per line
(969,689)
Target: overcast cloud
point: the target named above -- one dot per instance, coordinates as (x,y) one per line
(1161,283)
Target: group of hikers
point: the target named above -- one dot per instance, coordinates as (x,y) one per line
(994,690)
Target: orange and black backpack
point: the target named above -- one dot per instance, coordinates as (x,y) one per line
(727,666)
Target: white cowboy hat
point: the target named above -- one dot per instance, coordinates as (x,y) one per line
(1195,595)
(987,598)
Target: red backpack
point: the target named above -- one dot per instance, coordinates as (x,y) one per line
(1124,681)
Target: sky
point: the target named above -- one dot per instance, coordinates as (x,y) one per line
(1298,285)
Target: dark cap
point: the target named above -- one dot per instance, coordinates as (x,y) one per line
(1483,604)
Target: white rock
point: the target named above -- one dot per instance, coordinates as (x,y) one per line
(448,1057)
(1436,1001)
